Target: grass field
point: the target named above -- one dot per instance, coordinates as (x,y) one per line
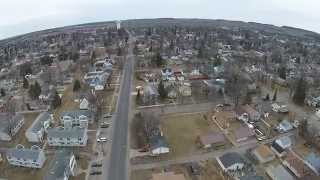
(181,132)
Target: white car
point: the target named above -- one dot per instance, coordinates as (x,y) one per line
(102,139)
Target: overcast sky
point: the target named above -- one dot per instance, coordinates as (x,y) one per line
(22,16)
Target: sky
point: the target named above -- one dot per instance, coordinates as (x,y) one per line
(23,16)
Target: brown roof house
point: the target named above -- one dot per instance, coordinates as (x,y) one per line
(295,165)
(253,114)
(263,154)
(243,133)
(212,140)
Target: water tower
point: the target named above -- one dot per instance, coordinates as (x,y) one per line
(118,24)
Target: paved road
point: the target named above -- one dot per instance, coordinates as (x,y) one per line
(205,156)
(118,167)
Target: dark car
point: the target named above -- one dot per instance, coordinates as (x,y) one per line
(96,173)
(194,169)
(96,165)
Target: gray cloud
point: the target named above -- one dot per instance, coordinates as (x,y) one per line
(17,17)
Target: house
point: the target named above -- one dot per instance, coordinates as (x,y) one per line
(295,164)
(166,73)
(67,137)
(88,101)
(158,145)
(284,126)
(278,173)
(35,132)
(279,108)
(231,161)
(97,79)
(168,176)
(77,118)
(279,146)
(253,114)
(212,140)
(185,89)
(62,166)
(84,104)
(30,158)
(263,154)
(10,125)
(313,162)
(243,133)
(150,94)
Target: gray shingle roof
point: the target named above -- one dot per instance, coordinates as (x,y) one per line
(229,159)
(38,122)
(63,133)
(77,113)
(23,153)
(58,165)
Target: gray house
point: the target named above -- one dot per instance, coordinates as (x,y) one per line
(67,137)
(77,118)
(30,158)
(10,125)
(62,166)
(36,131)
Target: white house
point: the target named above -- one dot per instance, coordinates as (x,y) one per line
(67,137)
(231,162)
(10,125)
(84,104)
(62,166)
(30,158)
(77,118)
(36,131)
(158,145)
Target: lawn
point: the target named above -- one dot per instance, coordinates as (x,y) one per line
(181,132)
(141,175)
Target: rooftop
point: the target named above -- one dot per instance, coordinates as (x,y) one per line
(70,133)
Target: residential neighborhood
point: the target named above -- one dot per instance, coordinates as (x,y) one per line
(154,99)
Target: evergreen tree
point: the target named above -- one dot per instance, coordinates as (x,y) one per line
(35,90)
(138,97)
(282,72)
(56,102)
(300,92)
(25,83)
(275,95)
(267,98)
(157,60)
(162,91)
(2,92)
(76,85)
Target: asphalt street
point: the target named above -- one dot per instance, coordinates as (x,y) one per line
(118,167)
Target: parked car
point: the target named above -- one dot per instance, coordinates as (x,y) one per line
(194,169)
(102,139)
(104,125)
(107,116)
(96,165)
(259,135)
(96,173)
